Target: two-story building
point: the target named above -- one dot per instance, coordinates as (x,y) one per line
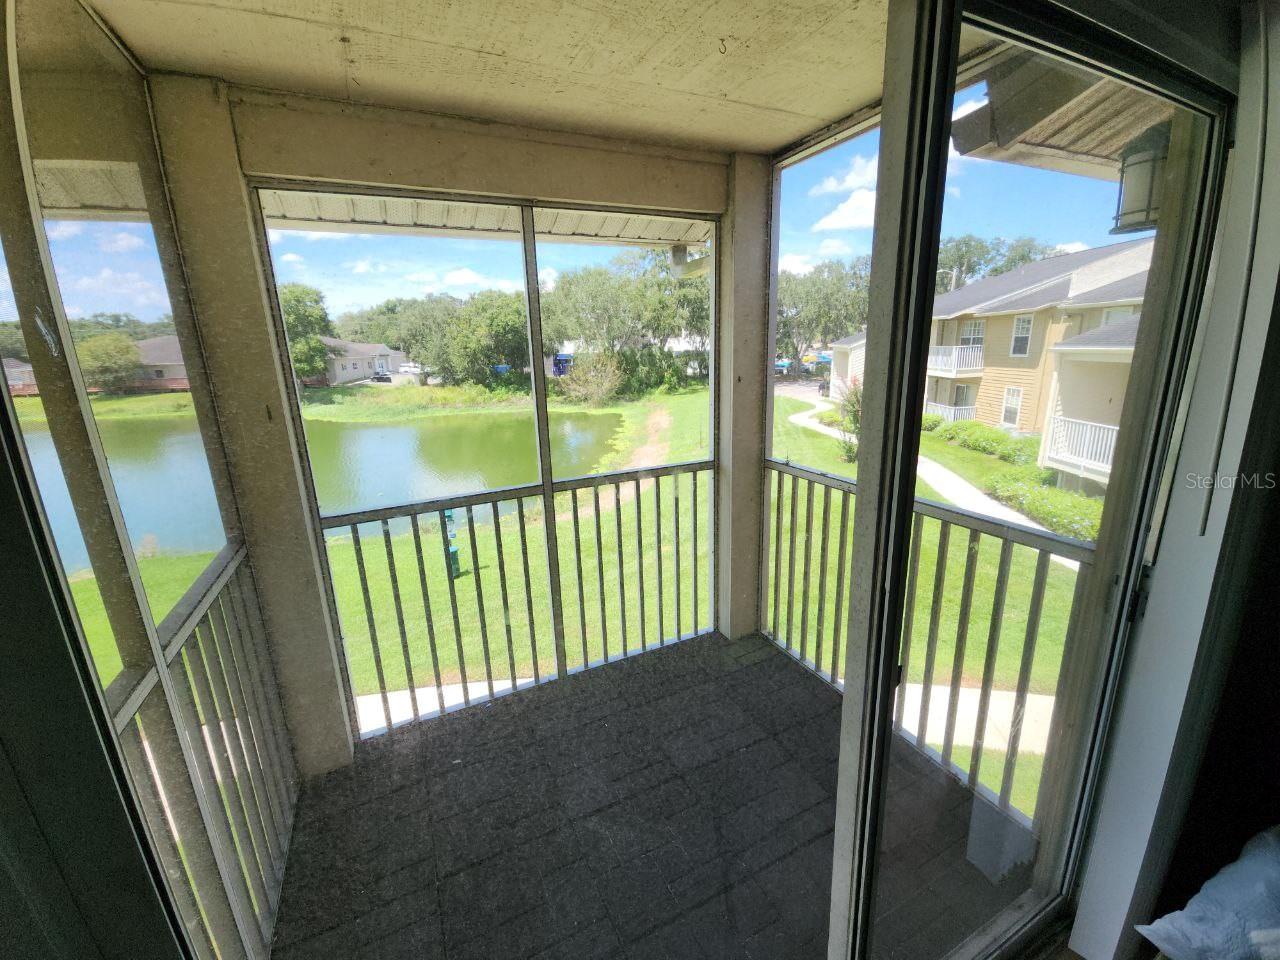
(991,357)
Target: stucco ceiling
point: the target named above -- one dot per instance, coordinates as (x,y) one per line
(750,75)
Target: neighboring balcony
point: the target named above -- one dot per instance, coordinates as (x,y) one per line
(950,413)
(1080,447)
(955,361)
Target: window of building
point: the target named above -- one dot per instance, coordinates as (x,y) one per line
(1020,346)
(972,333)
(158,374)
(1012,406)
(1116,314)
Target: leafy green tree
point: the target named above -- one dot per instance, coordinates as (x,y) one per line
(12,345)
(82,328)
(411,324)
(1019,251)
(306,320)
(825,304)
(109,361)
(490,329)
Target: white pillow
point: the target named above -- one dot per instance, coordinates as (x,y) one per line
(1235,916)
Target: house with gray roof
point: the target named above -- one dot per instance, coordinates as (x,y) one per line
(350,360)
(993,343)
(162,366)
(848,358)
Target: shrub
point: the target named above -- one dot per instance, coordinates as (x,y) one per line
(930,422)
(1062,511)
(830,418)
(850,425)
(990,440)
(594,378)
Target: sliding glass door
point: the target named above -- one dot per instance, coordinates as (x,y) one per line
(1005,490)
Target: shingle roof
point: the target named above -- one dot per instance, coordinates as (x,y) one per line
(1112,336)
(160,350)
(15,365)
(1020,287)
(1132,287)
(852,341)
(349,348)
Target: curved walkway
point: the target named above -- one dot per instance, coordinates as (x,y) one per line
(954,488)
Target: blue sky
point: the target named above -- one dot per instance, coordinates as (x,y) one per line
(828,201)
(827,206)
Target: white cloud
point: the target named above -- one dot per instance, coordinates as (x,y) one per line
(74,311)
(466,278)
(1075,246)
(63,230)
(291,258)
(128,286)
(856,212)
(548,277)
(966,108)
(861,175)
(364,265)
(275,236)
(120,242)
(834,247)
(797,263)
(953,191)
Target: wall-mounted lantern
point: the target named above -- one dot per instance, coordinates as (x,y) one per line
(1142,164)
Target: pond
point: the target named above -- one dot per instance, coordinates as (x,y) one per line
(166,497)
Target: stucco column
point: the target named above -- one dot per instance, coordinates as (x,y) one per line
(220,249)
(744,355)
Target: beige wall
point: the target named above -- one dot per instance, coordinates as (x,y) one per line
(1091,390)
(281,135)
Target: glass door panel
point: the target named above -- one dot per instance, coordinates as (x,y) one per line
(1002,646)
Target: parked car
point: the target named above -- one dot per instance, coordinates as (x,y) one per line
(381,377)
(411,368)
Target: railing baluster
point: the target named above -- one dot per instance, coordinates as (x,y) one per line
(582,600)
(791,558)
(604,625)
(426,609)
(528,587)
(258,659)
(908,619)
(989,662)
(453,607)
(962,640)
(675,511)
(373,629)
(644,645)
(622,580)
(935,617)
(480,610)
(1024,677)
(837,635)
(399,608)
(822,578)
(693,522)
(657,529)
(777,551)
(808,562)
(502,586)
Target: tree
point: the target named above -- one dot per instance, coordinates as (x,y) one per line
(1019,251)
(490,329)
(306,320)
(411,324)
(109,361)
(964,259)
(12,344)
(825,304)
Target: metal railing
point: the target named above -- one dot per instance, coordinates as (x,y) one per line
(1081,443)
(972,698)
(447,602)
(949,413)
(955,360)
(213,770)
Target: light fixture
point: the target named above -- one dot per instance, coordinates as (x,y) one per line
(1142,163)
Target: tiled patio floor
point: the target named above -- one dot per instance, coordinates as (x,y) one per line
(674,805)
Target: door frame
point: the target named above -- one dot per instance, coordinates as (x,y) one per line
(921,62)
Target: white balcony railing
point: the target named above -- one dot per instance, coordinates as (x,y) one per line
(949,413)
(1081,443)
(951,361)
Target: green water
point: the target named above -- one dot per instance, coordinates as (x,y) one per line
(358,466)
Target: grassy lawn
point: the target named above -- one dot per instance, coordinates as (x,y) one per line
(1026,773)
(30,409)
(970,464)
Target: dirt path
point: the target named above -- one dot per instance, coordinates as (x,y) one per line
(652,451)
